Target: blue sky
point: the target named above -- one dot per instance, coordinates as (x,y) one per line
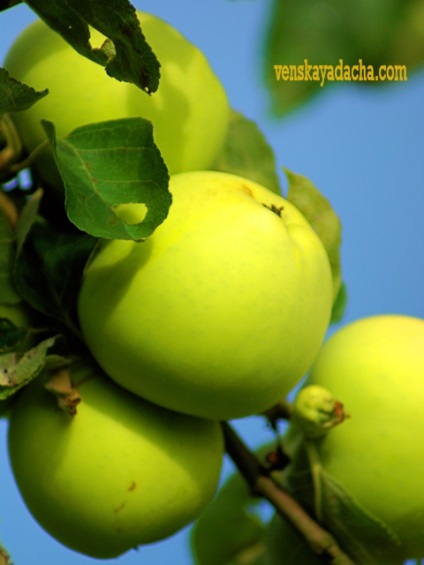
(362,147)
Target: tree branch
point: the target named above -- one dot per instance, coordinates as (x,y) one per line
(261,484)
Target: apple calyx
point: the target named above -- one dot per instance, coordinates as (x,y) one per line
(316,411)
(61,385)
(278,210)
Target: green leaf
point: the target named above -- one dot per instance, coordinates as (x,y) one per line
(320,214)
(18,369)
(10,335)
(365,537)
(27,218)
(49,267)
(299,30)
(8,293)
(247,153)
(5,406)
(108,164)
(16,96)
(231,530)
(407,45)
(286,545)
(339,306)
(228,527)
(125,54)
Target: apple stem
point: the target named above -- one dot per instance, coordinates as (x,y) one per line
(4,557)
(262,484)
(281,411)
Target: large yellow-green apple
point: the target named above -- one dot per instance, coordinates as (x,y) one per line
(189,111)
(120,473)
(375,366)
(221,311)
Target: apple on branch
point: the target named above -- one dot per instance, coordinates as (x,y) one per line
(375,366)
(221,311)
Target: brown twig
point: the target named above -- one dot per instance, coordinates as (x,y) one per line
(261,484)
(4,557)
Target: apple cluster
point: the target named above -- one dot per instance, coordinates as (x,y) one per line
(216,316)
(360,477)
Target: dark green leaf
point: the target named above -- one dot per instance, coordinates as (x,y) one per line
(5,406)
(227,528)
(48,271)
(247,153)
(231,530)
(27,218)
(8,292)
(108,164)
(339,306)
(10,335)
(18,369)
(407,45)
(16,96)
(286,545)
(125,54)
(320,214)
(364,536)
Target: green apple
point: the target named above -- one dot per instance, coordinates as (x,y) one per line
(375,366)
(120,473)
(221,311)
(189,111)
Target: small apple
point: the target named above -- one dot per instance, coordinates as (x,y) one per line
(118,474)
(375,366)
(221,311)
(189,111)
